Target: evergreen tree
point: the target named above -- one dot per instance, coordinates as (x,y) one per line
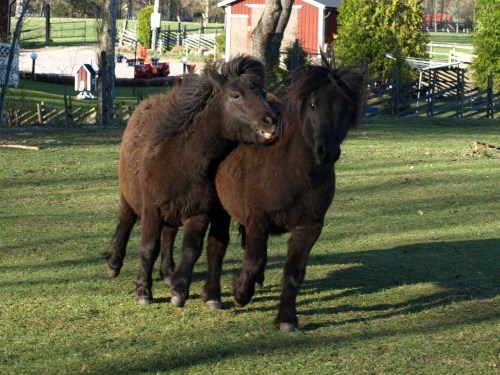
(370,29)
(487,42)
(144,25)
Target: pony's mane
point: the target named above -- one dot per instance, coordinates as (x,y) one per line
(247,67)
(193,94)
(186,100)
(348,82)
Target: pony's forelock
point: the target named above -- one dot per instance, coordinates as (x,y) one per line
(247,67)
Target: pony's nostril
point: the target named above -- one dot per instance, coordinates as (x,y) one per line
(269,120)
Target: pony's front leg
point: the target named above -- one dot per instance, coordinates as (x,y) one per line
(254,263)
(148,252)
(167,266)
(120,240)
(300,244)
(194,232)
(218,239)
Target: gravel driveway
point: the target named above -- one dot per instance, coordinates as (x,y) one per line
(66,60)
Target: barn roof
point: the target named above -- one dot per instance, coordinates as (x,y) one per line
(316,3)
(325,3)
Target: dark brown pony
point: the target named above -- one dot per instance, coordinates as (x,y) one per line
(289,186)
(169,155)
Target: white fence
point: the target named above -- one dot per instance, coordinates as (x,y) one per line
(444,50)
(4,57)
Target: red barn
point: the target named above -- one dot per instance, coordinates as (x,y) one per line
(312,22)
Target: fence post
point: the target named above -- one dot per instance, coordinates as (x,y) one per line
(199,39)
(395,91)
(215,45)
(489,105)
(68,109)
(47,24)
(168,37)
(460,92)
(179,34)
(41,112)
(430,103)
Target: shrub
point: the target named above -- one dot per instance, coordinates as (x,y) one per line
(144,25)
(370,29)
(486,42)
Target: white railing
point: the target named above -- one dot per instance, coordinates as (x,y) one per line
(4,57)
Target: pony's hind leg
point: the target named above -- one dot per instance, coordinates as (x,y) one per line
(126,222)
(194,232)
(218,239)
(150,249)
(254,264)
(299,245)
(167,253)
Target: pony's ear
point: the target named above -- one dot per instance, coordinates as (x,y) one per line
(324,59)
(217,79)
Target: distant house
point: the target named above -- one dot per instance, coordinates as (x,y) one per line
(439,20)
(312,22)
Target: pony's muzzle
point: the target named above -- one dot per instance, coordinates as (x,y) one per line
(267,129)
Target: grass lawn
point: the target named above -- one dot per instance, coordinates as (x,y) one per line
(29,94)
(74,31)
(450,38)
(403,280)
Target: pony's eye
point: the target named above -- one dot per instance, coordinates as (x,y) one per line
(235,95)
(313,106)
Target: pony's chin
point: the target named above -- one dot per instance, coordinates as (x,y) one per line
(265,138)
(328,159)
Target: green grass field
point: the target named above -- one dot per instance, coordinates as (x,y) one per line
(29,94)
(76,31)
(450,38)
(403,280)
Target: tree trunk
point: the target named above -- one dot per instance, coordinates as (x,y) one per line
(106,81)
(8,68)
(269,32)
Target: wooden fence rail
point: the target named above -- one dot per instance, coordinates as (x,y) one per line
(43,115)
(441,93)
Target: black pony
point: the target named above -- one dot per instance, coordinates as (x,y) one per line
(288,186)
(169,155)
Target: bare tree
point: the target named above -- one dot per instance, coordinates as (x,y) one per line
(10,59)
(268,34)
(106,81)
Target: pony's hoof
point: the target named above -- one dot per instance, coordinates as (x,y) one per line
(238,303)
(214,305)
(144,301)
(177,301)
(287,327)
(112,273)
(166,281)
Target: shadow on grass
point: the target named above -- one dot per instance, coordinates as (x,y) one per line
(464,270)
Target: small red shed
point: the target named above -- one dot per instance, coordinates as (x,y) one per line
(312,22)
(85,78)
(85,81)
